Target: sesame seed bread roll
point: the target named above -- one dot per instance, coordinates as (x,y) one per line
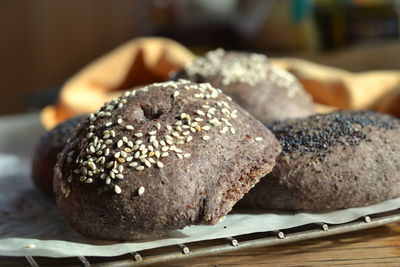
(266,91)
(333,161)
(160,158)
(47,149)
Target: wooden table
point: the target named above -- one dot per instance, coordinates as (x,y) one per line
(378,246)
(372,247)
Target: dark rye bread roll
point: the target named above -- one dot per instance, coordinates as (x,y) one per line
(161,158)
(266,91)
(47,149)
(339,160)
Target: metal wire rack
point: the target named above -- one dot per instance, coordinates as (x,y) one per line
(228,244)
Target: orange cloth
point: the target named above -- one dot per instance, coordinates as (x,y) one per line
(138,62)
(339,88)
(143,61)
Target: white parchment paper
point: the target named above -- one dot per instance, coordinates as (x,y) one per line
(28,217)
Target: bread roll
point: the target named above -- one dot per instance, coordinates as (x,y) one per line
(161,158)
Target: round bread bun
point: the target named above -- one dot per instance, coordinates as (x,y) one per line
(333,161)
(266,91)
(47,149)
(160,158)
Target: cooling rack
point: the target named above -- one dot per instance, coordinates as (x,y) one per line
(227,244)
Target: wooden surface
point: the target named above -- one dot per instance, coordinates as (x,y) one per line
(372,247)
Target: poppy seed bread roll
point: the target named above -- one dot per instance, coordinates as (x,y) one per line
(333,161)
(161,158)
(264,90)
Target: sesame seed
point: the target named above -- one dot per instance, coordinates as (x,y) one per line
(121,160)
(117,189)
(91,165)
(130,158)
(119,176)
(176,93)
(125,139)
(151,153)
(189,138)
(140,168)
(158,126)
(258,139)
(124,154)
(169,128)
(138,134)
(120,143)
(165,154)
(133,164)
(31,246)
(130,144)
(109,164)
(180,156)
(108,180)
(162,143)
(89,135)
(198,128)
(233,131)
(206,128)
(200,112)
(206,137)
(129,127)
(138,142)
(152,138)
(141,191)
(137,154)
(187,155)
(112,174)
(160,164)
(108,124)
(117,154)
(89,180)
(155,143)
(119,121)
(152,132)
(169,142)
(147,163)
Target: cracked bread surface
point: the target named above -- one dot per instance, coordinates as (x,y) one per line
(160,158)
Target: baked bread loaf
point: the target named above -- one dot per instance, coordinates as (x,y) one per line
(266,91)
(334,161)
(47,149)
(160,158)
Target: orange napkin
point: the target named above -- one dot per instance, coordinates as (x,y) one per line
(138,62)
(339,88)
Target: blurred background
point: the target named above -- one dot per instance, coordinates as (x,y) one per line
(44,42)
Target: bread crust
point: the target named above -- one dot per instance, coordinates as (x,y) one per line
(266,91)
(198,182)
(339,160)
